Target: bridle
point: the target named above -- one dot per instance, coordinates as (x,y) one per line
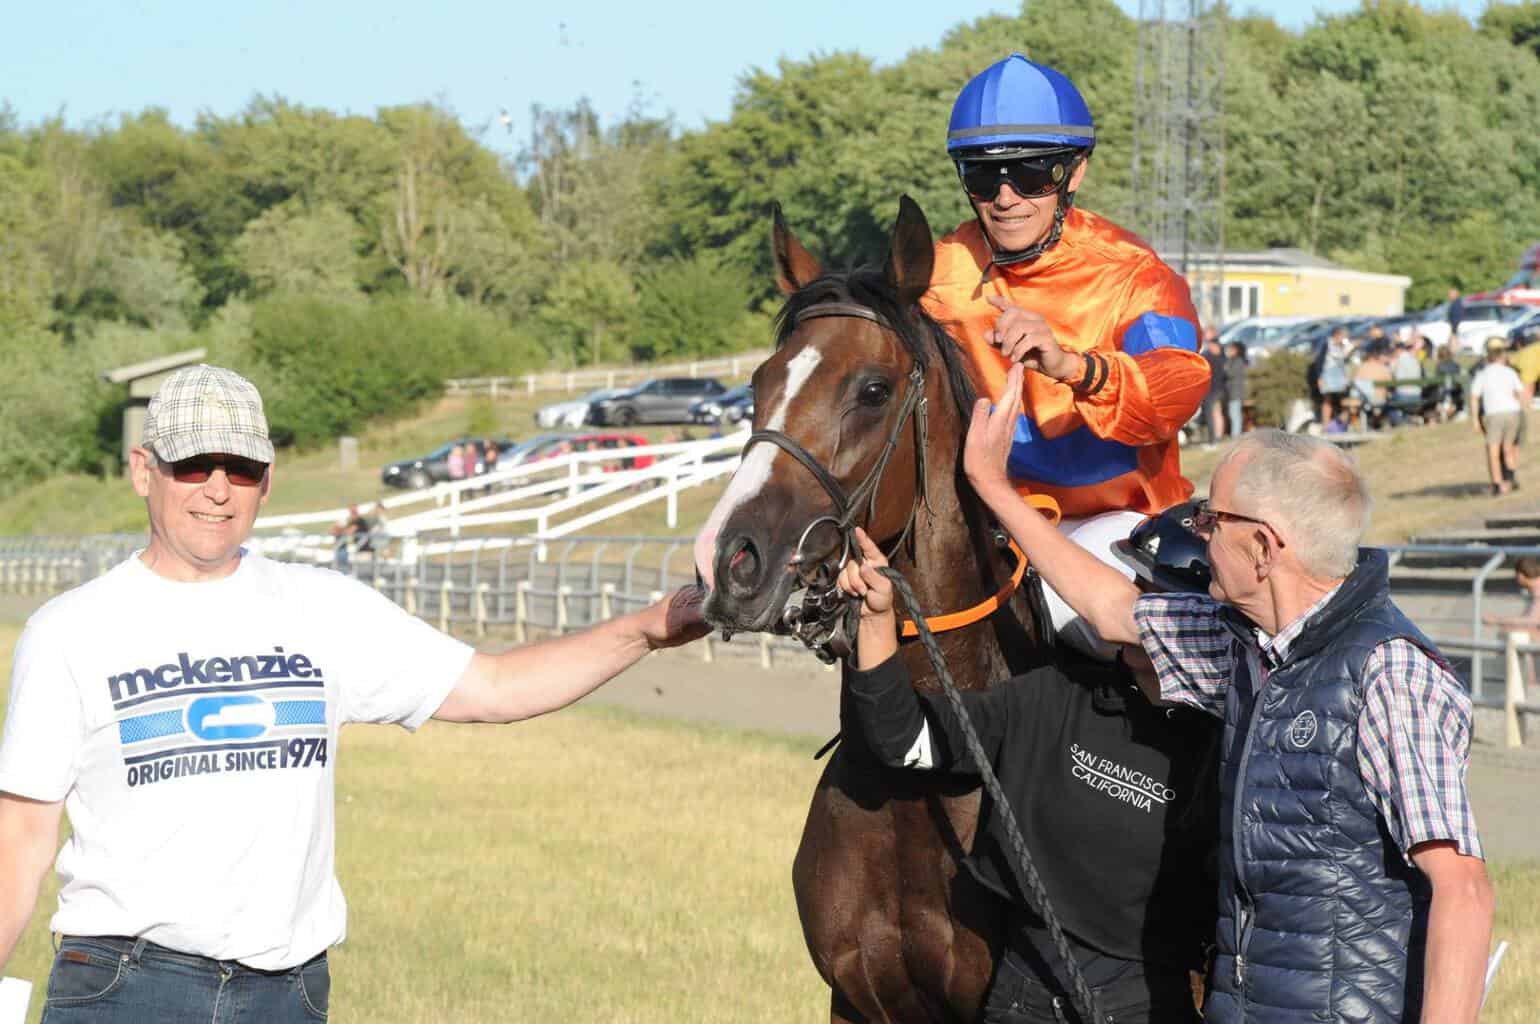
(815,612)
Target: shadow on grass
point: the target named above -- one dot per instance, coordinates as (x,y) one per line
(1455,490)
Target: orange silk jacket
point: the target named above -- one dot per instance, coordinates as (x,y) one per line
(1099,288)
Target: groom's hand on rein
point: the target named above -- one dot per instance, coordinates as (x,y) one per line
(862,579)
(990,434)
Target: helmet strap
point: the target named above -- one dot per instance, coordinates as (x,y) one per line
(1004,258)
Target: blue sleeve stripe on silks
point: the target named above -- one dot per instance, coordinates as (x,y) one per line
(1156,330)
(1074,460)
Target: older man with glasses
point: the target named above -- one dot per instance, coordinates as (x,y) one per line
(1352,885)
(1108,330)
(184,709)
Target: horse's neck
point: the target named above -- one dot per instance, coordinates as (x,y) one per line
(956,565)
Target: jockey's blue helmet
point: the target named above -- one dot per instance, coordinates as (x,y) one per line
(1016,105)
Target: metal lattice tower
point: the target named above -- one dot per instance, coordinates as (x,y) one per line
(1178,152)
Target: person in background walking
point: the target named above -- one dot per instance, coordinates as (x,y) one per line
(1496,409)
(1455,312)
(1332,381)
(1212,414)
(1235,387)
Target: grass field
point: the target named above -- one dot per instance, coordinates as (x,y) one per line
(596,866)
(1421,477)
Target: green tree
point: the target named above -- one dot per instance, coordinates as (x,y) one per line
(302,250)
(588,312)
(689,307)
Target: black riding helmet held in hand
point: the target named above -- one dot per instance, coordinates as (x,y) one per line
(1166,553)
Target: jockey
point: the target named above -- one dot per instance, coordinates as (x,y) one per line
(1108,328)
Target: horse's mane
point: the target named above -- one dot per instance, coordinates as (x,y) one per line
(920,334)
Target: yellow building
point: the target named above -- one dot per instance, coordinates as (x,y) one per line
(1291,282)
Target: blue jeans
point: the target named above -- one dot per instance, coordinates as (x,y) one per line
(1237,420)
(131,981)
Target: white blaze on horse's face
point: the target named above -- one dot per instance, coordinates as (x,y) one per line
(754,472)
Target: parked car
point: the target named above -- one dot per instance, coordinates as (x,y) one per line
(1524,334)
(424,470)
(550,446)
(733,406)
(573,413)
(1260,333)
(666,400)
(1482,320)
(1522,287)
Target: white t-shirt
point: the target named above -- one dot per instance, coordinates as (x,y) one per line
(191,730)
(1498,385)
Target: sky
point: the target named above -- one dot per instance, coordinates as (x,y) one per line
(91,59)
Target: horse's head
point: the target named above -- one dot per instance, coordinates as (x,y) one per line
(840,422)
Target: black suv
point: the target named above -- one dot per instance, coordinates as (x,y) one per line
(658,401)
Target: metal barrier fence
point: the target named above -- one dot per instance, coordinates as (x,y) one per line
(474,587)
(527,586)
(739,365)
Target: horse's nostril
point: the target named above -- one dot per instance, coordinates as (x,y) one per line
(743,566)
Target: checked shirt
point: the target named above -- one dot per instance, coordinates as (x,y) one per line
(1414,729)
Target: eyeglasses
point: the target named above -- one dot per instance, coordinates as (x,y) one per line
(1205,517)
(1030,177)
(196,470)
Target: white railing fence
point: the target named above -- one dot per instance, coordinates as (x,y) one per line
(740,364)
(553,497)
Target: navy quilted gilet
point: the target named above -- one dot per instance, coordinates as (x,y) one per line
(1320,918)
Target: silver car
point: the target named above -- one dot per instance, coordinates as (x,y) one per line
(574,412)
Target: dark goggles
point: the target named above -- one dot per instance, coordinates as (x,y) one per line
(1030,176)
(196,470)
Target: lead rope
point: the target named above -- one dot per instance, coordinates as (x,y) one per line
(1085,999)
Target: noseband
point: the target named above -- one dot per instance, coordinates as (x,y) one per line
(811,611)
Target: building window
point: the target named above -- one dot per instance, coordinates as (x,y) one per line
(1344,300)
(1242,300)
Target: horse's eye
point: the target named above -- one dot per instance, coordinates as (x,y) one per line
(874,392)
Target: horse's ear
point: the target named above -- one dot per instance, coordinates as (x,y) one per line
(795,267)
(911,253)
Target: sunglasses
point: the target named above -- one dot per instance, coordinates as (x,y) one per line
(196,470)
(1205,517)
(1030,177)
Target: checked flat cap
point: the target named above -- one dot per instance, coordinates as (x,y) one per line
(204,410)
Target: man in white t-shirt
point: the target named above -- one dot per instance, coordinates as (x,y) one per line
(184,709)
(1497,397)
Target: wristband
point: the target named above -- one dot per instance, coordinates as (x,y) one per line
(1088,376)
(1105,373)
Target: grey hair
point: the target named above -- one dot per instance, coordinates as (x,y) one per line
(1309,490)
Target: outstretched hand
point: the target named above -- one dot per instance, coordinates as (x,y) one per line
(862,579)
(675,620)
(990,434)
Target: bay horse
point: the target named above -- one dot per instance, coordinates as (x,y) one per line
(896,926)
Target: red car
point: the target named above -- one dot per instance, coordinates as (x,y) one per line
(550,446)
